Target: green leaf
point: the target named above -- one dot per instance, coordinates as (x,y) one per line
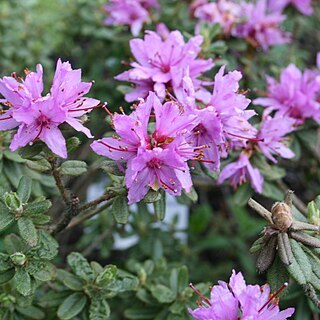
(120,209)
(13,156)
(99,309)
(5,262)
(6,276)
(152,196)
(73,168)
(28,152)
(160,207)
(107,275)
(6,218)
(48,246)
(111,167)
(69,280)
(38,207)
(162,293)
(31,312)
(41,270)
(80,266)
(27,231)
(242,195)
(141,313)
(13,244)
(277,275)
(24,189)
(22,282)
(41,165)
(72,306)
(271,191)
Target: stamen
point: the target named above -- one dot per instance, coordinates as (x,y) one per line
(242,137)
(273,296)
(100,105)
(6,118)
(204,300)
(124,149)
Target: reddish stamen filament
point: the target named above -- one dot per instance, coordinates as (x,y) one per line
(202,298)
(6,118)
(242,137)
(124,149)
(273,296)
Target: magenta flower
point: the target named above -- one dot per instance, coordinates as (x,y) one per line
(223,12)
(161,64)
(241,171)
(295,95)
(229,300)
(271,137)
(260,27)
(38,117)
(156,160)
(133,13)
(304,6)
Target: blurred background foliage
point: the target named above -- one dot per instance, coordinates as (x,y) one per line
(221,228)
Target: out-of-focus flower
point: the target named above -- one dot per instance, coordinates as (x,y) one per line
(38,117)
(223,12)
(161,64)
(228,300)
(133,13)
(304,6)
(156,160)
(271,137)
(260,27)
(241,171)
(295,95)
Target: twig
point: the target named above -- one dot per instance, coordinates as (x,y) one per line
(97,201)
(98,240)
(84,217)
(264,213)
(56,175)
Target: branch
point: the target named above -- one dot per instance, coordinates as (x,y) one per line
(97,201)
(84,217)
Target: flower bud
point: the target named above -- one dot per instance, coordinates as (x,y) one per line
(313,213)
(282,216)
(13,203)
(18,258)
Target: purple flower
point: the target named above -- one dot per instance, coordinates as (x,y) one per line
(223,12)
(133,13)
(260,27)
(271,137)
(240,171)
(295,95)
(155,160)
(227,301)
(161,64)
(304,6)
(38,117)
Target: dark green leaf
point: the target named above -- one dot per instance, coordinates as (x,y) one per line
(162,293)
(5,262)
(72,306)
(6,276)
(13,244)
(22,282)
(27,231)
(160,207)
(24,189)
(39,207)
(69,280)
(120,209)
(80,266)
(41,270)
(31,312)
(6,218)
(41,165)
(73,168)
(99,309)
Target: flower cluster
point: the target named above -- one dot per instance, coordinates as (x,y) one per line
(236,300)
(254,22)
(295,95)
(133,13)
(161,63)
(304,6)
(156,159)
(37,116)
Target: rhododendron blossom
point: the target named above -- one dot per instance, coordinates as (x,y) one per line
(295,95)
(260,26)
(237,301)
(304,6)
(154,160)
(37,116)
(161,63)
(133,13)
(223,12)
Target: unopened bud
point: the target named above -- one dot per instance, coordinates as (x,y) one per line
(282,216)
(18,258)
(13,203)
(313,213)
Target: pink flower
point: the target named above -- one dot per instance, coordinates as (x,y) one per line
(240,171)
(157,160)
(295,95)
(161,64)
(133,13)
(260,27)
(304,6)
(223,12)
(227,301)
(38,117)
(271,137)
